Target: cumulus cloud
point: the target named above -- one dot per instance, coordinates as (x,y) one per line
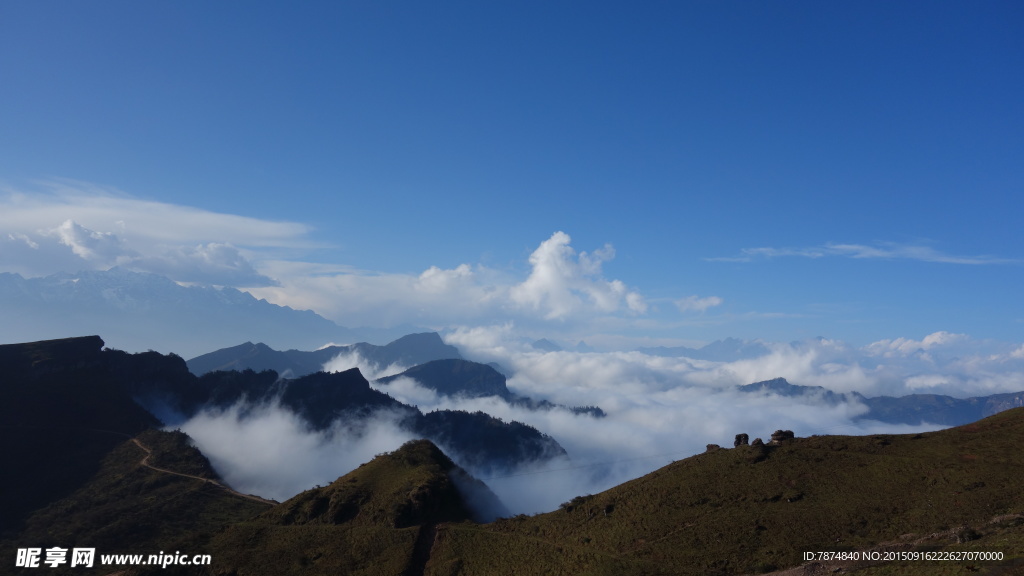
(563,286)
(561,282)
(907,346)
(103,248)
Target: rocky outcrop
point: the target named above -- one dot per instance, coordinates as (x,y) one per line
(780,436)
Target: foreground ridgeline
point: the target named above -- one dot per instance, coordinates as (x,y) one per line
(86,468)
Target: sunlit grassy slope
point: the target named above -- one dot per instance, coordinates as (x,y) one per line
(366,522)
(750,510)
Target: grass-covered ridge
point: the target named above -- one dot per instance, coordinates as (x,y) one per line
(369,521)
(751,510)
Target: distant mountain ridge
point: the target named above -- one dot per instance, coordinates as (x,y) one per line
(409,350)
(914,409)
(464,378)
(124,306)
(727,350)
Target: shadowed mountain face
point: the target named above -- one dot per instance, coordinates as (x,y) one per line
(456,378)
(61,411)
(153,492)
(74,401)
(408,350)
(479,440)
(466,379)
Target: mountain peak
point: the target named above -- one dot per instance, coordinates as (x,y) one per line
(414,485)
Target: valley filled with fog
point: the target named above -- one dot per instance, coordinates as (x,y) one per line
(658,408)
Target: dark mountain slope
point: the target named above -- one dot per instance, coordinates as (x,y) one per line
(257,357)
(409,350)
(475,436)
(321,398)
(61,412)
(128,507)
(72,400)
(456,378)
(466,379)
(754,509)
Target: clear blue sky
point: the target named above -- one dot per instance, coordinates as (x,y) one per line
(845,169)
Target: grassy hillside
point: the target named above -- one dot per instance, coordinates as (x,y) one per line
(370,521)
(751,510)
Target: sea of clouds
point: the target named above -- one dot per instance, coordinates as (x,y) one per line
(659,409)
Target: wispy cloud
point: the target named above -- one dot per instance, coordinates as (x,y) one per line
(697,303)
(69,226)
(883,251)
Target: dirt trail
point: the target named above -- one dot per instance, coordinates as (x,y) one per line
(145,462)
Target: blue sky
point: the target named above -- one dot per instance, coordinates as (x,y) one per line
(761,170)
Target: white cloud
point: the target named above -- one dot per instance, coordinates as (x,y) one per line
(370,370)
(906,346)
(72,226)
(658,409)
(212,263)
(101,248)
(562,286)
(697,304)
(67,226)
(562,283)
(271,452)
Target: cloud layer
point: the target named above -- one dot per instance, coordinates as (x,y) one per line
(73,226)
(659,409)
(883,251)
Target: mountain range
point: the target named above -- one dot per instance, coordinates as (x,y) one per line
(831,504)
(124,306)
(73,401)
(409,350)
(726,350)
(914,409)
